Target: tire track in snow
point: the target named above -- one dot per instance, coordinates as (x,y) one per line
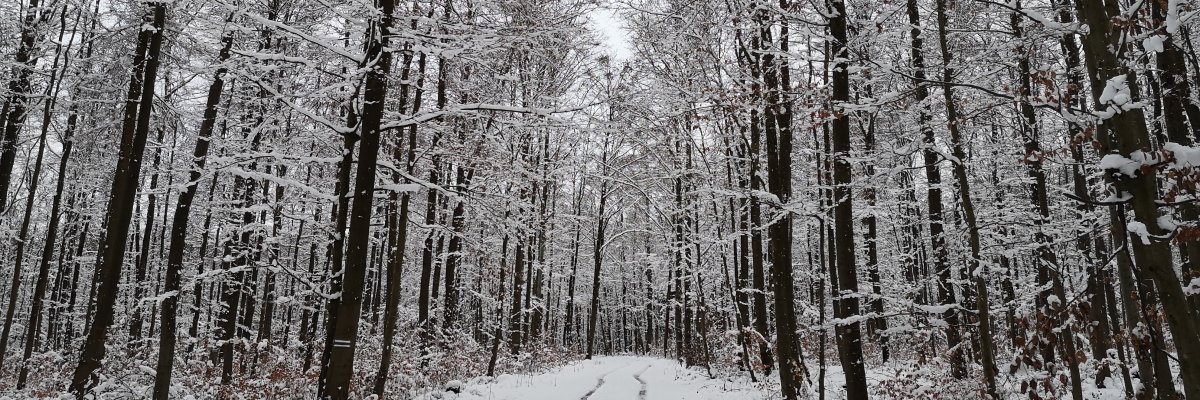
(642,391)
(599,383)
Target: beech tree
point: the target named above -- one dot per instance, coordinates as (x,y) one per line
(135,127)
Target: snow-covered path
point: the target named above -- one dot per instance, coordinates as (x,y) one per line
(609,378)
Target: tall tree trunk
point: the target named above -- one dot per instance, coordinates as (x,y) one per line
(934,199)
(1133,298)
(499,329)
(677,248)
(517,310)
(1099,277)
(61,296)
(776,79)
(241,251)
(56,322)
(877,325)
(80,243)
(32,329)
(454,251)
(569,326)
(428,250)
(758,279)
(598,244)
(1176,99)
(1125,133)
(849,336)
(337,245)
(308,318)
(398,237)
(134,129)
(19,90)
(539,278)
(975,268)
(345,332)
(16,103)
(749,57)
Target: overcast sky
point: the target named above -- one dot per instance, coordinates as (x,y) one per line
(612,32)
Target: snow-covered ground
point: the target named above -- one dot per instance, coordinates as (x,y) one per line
(607,378)
(649,378)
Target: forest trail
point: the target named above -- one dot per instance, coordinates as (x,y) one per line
(609,378)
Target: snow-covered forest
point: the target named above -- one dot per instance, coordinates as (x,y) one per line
(290,199)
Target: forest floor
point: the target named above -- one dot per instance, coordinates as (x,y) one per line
(607,378)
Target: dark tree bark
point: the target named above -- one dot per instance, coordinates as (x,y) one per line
(240,254)
(740,223)
(16,104)
(337,245)
(849,336)
(398,237)
(65,270)
(776,79)
(345,332)
(758,279)
(569,326)
(736,284)
(1177,104)
(676,296)
(454,250)
(877,325)
(14,120)
(428,254)
(598,245)
(308,318)
(499,329)
(80,243)
(32,329)
(975,268)
(134,129)
(517,310)
(1125,133)
(1099,278)
(57,325)
(542,193)
(934,178)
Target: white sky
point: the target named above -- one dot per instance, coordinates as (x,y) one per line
(613,35)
